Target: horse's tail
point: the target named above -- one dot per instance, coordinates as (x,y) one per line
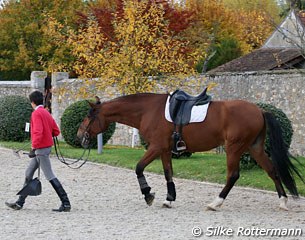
(280,155)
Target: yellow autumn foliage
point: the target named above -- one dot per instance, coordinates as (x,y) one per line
(143,54)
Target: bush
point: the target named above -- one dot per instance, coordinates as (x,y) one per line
(287,131)
(15,111)
(72,118)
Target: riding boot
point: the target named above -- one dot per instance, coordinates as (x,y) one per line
(65,203)
(18,204)
(21,200)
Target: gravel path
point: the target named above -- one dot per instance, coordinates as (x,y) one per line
(107,204)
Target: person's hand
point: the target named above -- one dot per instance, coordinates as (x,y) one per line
(32,153)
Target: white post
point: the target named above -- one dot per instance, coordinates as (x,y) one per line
(99,143)
(135,137)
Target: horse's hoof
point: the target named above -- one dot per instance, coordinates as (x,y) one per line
(284,208)
(167,204)
(215,204)
(211,208)
(283,203)
(149,198)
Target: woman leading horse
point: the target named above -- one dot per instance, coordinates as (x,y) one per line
(238,125)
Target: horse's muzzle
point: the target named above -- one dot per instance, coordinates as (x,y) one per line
(85,140)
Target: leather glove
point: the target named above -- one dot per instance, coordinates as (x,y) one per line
(32,153)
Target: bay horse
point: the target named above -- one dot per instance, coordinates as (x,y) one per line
(238,125)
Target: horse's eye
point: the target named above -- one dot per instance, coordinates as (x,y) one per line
(90,114)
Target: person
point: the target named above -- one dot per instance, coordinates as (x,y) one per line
(42,128)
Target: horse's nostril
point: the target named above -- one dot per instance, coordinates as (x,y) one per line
(85,140)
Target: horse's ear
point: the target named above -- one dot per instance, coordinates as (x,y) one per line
(97,100)
(91,104)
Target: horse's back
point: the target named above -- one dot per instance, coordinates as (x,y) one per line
(237,115)
(226,121)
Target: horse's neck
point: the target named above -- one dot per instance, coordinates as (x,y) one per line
(122,111)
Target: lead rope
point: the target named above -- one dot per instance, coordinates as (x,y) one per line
(61,158)
(38,169)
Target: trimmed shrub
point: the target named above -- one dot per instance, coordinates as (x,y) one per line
(15,111)
(287,131)
(73,117)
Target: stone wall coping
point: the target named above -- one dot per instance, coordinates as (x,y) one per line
(16,84)
(274,72)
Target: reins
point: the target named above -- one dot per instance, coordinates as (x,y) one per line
(85,142)
(61,158)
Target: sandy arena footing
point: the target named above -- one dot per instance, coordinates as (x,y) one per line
(107,204)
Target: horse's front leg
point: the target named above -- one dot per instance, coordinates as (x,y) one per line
(148,157)
(168,173)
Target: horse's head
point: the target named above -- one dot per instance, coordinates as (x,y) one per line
(93,124)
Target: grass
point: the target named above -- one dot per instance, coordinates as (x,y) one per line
(209,167)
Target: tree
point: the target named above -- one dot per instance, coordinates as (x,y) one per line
(216,22)
(224,51)
(140,48)
(268,7)
(299,4)
(22,42)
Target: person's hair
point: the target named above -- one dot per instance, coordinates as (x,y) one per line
(36,97)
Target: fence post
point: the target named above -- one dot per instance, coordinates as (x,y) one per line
(99,143)
(135,137)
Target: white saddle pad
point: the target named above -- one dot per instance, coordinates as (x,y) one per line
(198,113)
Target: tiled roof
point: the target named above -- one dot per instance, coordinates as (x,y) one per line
(263,59)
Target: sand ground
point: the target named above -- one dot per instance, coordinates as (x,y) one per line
(107,204)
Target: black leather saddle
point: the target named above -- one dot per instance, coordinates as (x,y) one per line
(181,104)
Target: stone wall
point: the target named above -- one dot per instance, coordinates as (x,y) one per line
(22,88)
(123,134)
(283,89)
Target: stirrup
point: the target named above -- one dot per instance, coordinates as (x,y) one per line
(180,146)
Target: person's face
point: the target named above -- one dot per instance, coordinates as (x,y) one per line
(33,105)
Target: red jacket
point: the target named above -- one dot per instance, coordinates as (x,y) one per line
(43,128)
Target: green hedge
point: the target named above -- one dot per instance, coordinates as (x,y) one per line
(15,111)
(72,118)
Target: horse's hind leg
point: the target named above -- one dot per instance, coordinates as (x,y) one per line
(258,153)
(233,157)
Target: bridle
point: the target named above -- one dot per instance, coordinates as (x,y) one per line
(85,144)
(86,136)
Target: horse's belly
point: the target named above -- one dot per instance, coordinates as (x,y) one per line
(199,140)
